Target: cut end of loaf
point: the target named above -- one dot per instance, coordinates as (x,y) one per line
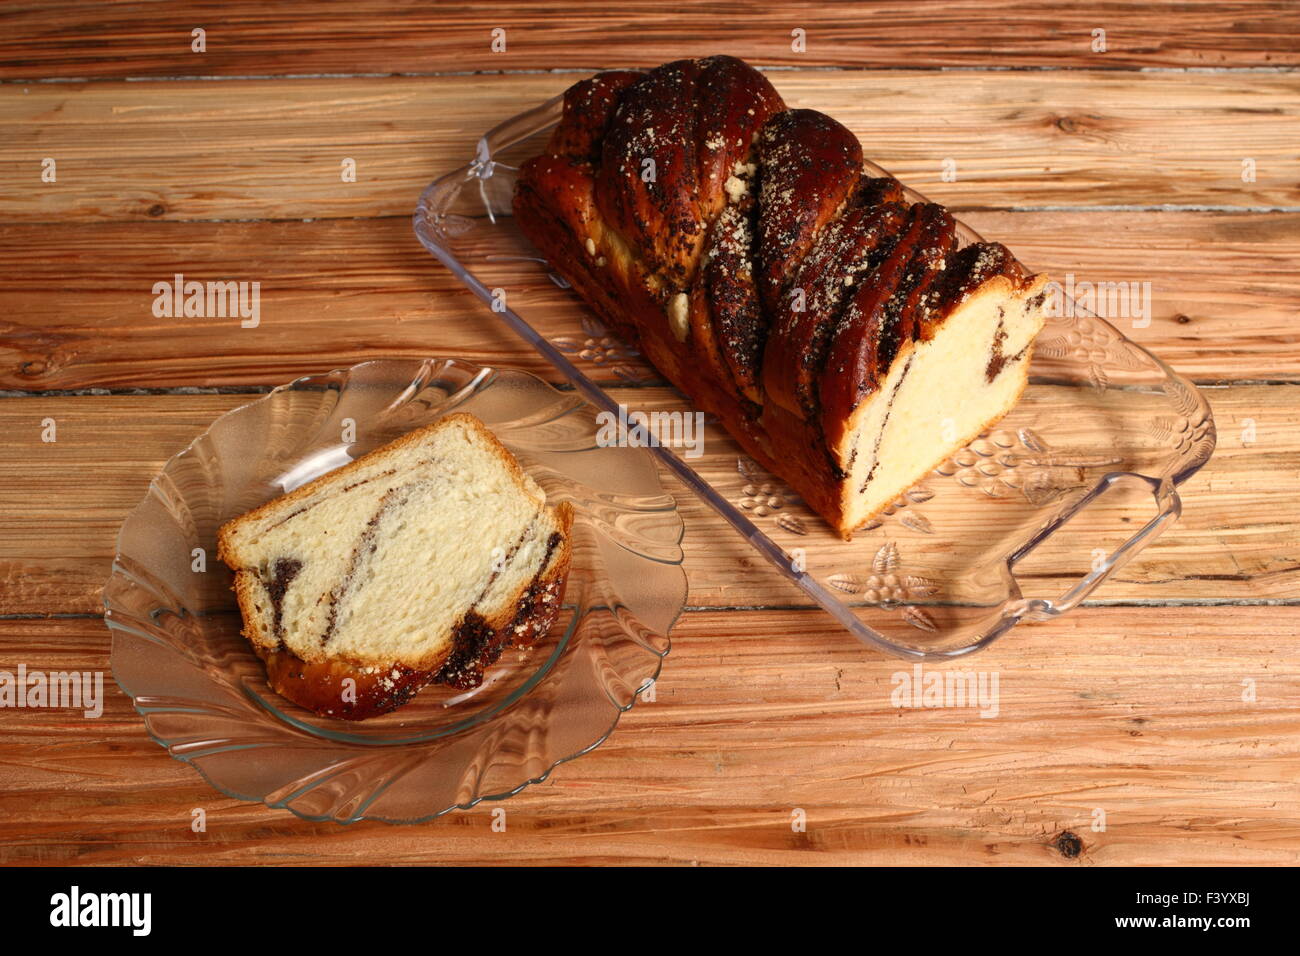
(939,394)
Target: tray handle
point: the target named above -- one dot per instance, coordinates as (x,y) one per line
(1168,507)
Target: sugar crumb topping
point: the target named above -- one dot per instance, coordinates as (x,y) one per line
(679,316)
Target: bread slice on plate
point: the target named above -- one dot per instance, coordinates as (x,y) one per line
(417,563)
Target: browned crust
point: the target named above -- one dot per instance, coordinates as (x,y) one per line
(668,145)
(381,686)
(878,325)
(810,166)
(779,440)
(735,324)
(629,288)
(971,269)
(588,105)
(733,102)
(801,339)
(655,121)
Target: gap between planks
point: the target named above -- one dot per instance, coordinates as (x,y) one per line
(1235,542)
(756,714)
(271,150)
(137,39)
(79,297)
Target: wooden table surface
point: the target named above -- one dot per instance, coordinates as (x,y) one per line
(1128,162)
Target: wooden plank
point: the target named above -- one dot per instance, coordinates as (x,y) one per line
(274,148)
(63,503)
(1141,714)
(149,39)
(78,298)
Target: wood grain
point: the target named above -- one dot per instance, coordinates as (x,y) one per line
(78,298)
(151,39)
(1083,161)
(273,149)
(757,714)
(63,503)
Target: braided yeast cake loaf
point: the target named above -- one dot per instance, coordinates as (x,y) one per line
(834,327)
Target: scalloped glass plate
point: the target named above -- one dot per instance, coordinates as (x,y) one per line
(178,654)
(1019,526)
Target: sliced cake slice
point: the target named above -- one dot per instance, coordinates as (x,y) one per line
(963,367)
(879,321)
(419,562)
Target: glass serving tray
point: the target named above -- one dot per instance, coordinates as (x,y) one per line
(1019,526)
